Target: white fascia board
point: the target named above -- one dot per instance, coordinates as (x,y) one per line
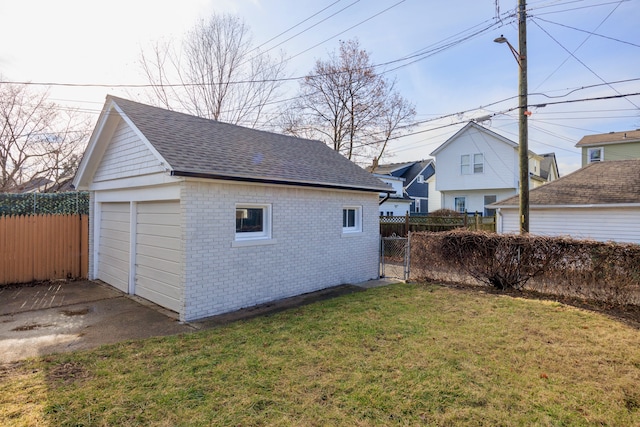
(161,192)
(135,181)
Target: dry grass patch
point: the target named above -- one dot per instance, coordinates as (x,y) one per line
(398,355)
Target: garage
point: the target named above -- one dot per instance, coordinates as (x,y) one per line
(113,246)
(158,253)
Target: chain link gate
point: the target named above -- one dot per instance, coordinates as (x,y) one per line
(394,257)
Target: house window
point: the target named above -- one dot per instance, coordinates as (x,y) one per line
(595,155)
(478,163)
(420,179)
(467,168)
(253,222)
(465,165)
(352,219)
(487,201)
(460,204)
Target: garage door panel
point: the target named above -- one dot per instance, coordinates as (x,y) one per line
(159,230)
(161,299)
(111,225)
(112,240)
(115,275)
(158,253)
(146,264)
(158,219)
(160,242)
(113,247)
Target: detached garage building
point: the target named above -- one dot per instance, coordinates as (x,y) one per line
(203,217)
(601,202)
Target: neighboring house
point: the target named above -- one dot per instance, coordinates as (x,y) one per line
(35,185)
(601,201)
(43,185)
(610,146)
(419,182)
(395,203)
(477,167)
(203,217)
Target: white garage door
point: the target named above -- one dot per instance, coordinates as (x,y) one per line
(113,246)
(158,253)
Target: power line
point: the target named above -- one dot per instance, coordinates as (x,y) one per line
(588,32)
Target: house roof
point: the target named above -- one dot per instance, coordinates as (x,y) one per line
(192,146)
(610,138)
(406,170)
(468,126)
(599,183)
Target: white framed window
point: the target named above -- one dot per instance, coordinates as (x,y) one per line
(471,163)
(420,179)
(352,219)
(595,155)
(460,204)
(488,199)
(253,222)
(478,163)
(465,164)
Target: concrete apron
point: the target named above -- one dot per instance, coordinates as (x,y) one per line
(68,316)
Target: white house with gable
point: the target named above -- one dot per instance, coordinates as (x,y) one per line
(204,217)
(478,167)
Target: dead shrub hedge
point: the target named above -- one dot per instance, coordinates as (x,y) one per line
(606,272)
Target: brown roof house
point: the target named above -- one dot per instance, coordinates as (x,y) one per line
(600,201)
(610,146)
(203,217)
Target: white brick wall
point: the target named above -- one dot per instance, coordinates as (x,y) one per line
(309,251)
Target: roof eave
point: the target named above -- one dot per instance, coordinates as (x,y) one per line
(569,206)
(273,181)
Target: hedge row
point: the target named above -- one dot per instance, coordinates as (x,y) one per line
(44,203)
(607,272)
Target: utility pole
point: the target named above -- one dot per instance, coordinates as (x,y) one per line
(524,115)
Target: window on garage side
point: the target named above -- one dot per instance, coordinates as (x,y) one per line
(351,219)
(253,221)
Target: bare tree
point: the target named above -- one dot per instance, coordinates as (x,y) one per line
(215,73)
(38,139)
(346,104)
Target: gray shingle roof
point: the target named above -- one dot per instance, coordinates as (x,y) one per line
(199,147)
(611,182)
(610,138)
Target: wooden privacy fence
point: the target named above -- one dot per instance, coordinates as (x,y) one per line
(43,247)
(401,225)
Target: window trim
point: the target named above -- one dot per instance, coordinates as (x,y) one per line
(455,203)
(478,164)
(357,227)
(465,165)
(594,149)
(265,234)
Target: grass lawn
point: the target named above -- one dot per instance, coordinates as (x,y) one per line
(404,354)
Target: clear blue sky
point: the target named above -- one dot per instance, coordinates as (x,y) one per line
(577,49)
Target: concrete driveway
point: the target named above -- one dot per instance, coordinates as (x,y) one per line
(68,316)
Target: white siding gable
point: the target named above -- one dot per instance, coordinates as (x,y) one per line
(126,156)
(499,169)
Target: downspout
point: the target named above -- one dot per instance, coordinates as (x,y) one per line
(385,199)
